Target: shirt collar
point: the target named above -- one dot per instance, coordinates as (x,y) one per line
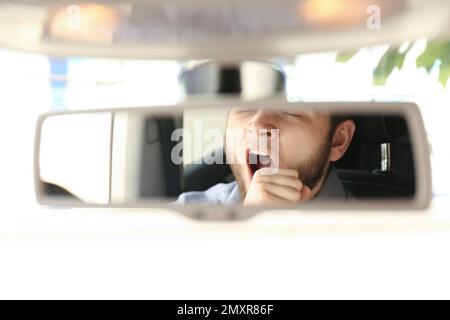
(235,196)
(332,187)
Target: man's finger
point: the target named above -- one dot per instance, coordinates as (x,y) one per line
(305,193)
(283,192)
(288,181)
(276,171)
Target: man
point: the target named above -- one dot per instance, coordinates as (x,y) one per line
(296,165)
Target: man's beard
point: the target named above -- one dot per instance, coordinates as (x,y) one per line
(310,172)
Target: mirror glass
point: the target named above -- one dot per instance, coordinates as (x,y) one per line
(228,156)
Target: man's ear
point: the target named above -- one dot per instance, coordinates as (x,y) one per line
(341,140)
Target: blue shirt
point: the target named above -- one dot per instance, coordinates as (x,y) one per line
(219,194)
(228,194)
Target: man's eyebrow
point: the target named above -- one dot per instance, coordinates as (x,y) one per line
(299,112)
(239,109)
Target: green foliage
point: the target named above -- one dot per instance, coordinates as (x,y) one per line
(437,51)
(391,59)
(346,56)
(444,72)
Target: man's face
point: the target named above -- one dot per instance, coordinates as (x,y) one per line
(292,139)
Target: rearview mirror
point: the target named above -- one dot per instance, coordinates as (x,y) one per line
(238,157)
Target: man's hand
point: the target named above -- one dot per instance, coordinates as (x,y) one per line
(281,188)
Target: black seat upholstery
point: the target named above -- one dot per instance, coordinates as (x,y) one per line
(159,176)
(365,184)
(359,169)
(200,177)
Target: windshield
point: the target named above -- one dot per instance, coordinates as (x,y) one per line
(377,73)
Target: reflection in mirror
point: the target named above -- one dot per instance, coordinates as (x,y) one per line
(228,156)
(75,156)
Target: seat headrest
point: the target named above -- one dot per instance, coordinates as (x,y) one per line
(378,129)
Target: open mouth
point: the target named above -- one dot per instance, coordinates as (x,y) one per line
(257,161)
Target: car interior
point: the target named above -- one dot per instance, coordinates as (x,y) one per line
(378,164)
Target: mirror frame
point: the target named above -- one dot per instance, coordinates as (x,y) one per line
(411,112)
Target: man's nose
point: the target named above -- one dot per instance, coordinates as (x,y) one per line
(263,122)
